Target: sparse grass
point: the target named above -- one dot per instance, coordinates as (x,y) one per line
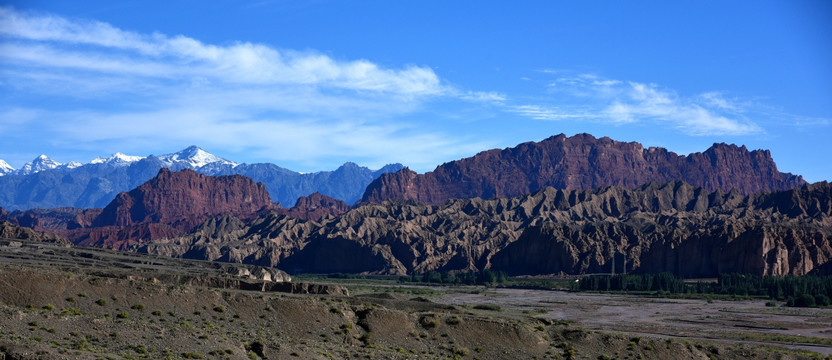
(70,311)
(453,320)
(781,338)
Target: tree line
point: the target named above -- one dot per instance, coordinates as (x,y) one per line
(801,291)
(482,277)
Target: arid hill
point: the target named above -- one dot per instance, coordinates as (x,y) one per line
(658,227)
(582,162)
(12,231)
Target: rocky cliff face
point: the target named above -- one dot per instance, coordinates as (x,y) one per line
(173,196)
(657,227)
(169,205)
(582,162)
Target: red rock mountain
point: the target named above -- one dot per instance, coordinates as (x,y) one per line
(174,196)
(583,162)
(169,205)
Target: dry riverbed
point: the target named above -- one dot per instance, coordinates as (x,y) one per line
(723,321)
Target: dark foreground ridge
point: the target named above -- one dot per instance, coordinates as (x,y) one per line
(582,162)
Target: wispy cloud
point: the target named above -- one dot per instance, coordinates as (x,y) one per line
(156,89)
(53,41)
(588,97)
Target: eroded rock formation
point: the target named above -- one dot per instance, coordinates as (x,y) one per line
(658,227)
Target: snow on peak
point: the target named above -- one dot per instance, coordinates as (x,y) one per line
(194,157)
(5,168)
(117,159)
(37,165)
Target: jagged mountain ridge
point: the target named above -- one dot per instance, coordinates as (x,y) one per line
(658,227)
(582,162)
(95,184)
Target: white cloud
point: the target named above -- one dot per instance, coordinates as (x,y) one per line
(54,41)
(593,98)
(143,91)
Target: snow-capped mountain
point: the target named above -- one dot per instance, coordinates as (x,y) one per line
(43,163)
(5,168)
(117,159)
(194,157)
(95,184)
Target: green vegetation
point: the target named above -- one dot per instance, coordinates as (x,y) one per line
(487,307)
(483,277)
(798,291)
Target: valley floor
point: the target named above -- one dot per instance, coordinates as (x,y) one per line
(49,311)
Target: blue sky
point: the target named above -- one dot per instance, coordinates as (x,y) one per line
(311,85)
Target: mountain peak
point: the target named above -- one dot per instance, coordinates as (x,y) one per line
(117,159)
(193,156)
(5,168)
(38,164)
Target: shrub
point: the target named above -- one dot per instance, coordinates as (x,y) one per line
(429,321)
(70,311)
(805,300)
(139,307)
(219,309)
(49,307)
(191,355)
(101,302)
(487,307)
(122,315)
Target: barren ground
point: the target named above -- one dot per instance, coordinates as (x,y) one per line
(64,303)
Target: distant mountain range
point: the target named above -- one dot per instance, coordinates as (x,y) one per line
(45,183)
